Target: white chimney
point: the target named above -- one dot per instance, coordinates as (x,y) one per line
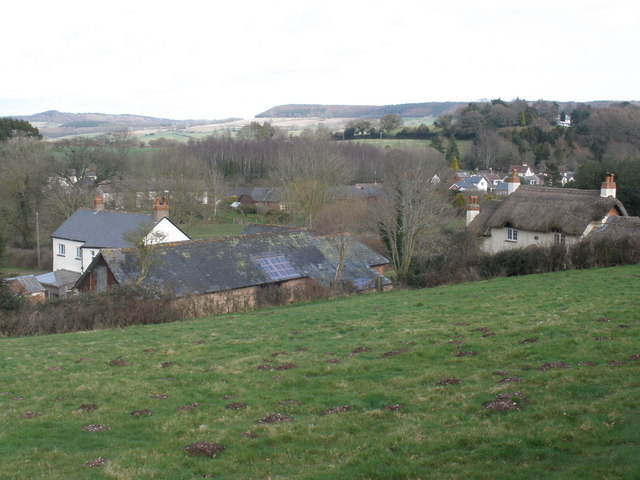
(608,188)
(513,182)
(473,209)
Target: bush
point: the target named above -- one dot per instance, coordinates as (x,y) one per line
(118,307)
(461,262)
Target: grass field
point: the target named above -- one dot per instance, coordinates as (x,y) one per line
(380,386)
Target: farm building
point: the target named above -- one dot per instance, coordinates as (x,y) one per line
(232,273)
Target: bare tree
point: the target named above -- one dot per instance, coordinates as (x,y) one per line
(411,209)
(144,242)
(306,172)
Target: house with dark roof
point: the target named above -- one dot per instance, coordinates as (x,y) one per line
(230,273)
(532,215)
(77,241)
(267,197)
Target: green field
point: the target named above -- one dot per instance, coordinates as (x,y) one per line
(381,386)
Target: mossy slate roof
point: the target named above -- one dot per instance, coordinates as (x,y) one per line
(214,265)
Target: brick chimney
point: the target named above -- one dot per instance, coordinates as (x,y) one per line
(513,182)
(608,188)
(98,203)
(160,208)
(473,209)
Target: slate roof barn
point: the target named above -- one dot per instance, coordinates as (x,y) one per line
(216,265)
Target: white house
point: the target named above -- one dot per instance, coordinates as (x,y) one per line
(77,241)
(543,216)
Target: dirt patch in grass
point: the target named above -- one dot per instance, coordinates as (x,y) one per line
(30,414)
(167,364)
(506,402)
(586,364)
(88,407)
(236,405)
(448,381)
(456,341)
(275,418)
(249,434)
(188,408)
(604,319)
(393,408)
(616,363)
(208,449)
(394,352)
(510,380)
(286,366)
(19,398)
(145,412)
(635,356)
(340,409)
(358,350)
(552,365)
(149,350)
(96,462)
(302,349)
(96,427)
(334,360)
(265,366)
(229,397)
(159,396)
(462,353)
(119,362)
(529,340)
(622,325)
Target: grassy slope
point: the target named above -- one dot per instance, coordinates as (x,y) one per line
(581,422)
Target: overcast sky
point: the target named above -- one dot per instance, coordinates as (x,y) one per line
(217,59)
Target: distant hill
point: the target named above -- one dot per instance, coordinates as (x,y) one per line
(53,124)
(428,109)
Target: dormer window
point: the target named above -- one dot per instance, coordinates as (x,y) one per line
(512,234)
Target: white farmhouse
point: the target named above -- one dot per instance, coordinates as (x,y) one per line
(543,216)
(79,239)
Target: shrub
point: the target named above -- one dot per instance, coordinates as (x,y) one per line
(118,307)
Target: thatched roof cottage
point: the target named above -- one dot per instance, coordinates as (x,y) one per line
(543,216)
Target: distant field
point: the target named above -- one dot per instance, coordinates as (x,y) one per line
(378,386)
(213,230)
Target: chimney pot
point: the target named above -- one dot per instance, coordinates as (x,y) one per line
(608,187)
(98,203)
(160,208)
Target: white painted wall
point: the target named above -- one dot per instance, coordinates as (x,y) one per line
(168,231)
(70,260)
(498,240)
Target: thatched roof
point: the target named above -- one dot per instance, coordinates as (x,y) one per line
(616,227)
(544,209)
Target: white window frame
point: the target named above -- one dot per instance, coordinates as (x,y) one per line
(78,253)
(559,238)
(61,250)
(512,234)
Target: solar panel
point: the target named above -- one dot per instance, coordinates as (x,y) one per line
(277,268)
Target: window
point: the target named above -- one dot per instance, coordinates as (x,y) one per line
(277,268)
(512,235)
(93,253)
(78,253)
(558,238)
(61,249)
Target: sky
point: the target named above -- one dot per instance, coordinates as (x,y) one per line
(210,59)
